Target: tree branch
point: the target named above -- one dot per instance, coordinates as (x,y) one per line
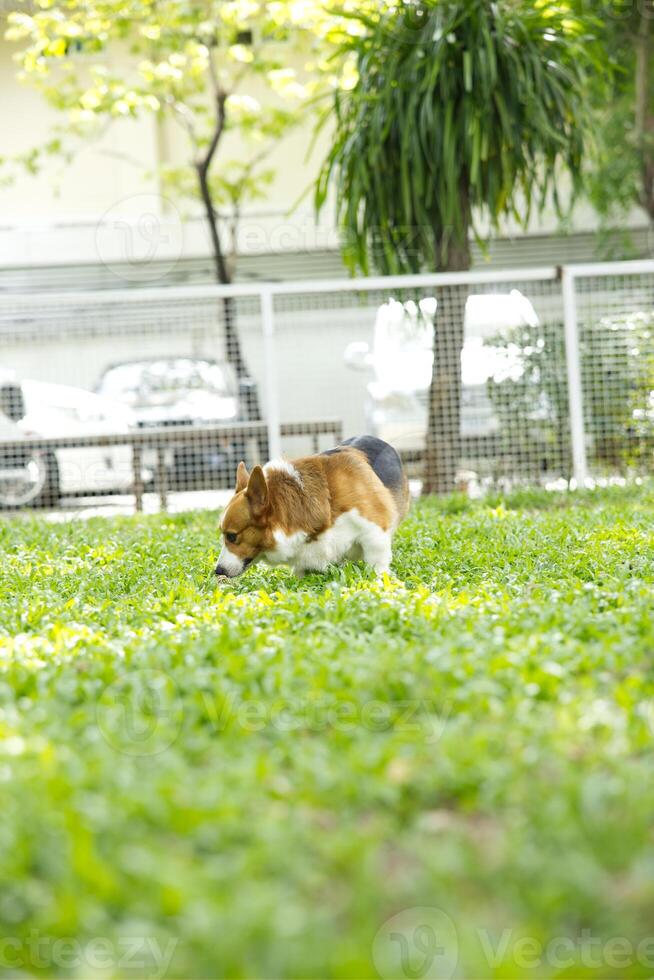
(183,115)
(221,99)
(213,75)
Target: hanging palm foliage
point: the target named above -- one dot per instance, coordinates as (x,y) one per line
(462,113)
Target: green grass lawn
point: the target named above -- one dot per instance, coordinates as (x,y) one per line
(451,773)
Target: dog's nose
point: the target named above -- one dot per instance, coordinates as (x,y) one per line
(219,570)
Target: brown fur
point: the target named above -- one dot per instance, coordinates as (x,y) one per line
(331,485)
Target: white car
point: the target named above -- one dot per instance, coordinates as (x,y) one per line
(181,390)
(34,478)
(401,362)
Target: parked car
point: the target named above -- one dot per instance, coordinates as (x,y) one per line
(40,478)
(23,475)
(185,391)
(401,361)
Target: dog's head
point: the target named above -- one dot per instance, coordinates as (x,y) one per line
(244,524)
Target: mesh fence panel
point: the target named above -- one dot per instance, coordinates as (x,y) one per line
(158,393)
(87,366)
(615,315)
(499,392)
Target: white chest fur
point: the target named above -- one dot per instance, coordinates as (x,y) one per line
(350,536)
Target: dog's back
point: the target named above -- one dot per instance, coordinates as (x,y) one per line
(385,463)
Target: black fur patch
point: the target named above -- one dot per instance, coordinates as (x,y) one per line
(383,459)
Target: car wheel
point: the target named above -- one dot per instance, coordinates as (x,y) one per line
(28,480)
(51,492)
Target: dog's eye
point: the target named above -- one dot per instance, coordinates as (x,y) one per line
(230,536)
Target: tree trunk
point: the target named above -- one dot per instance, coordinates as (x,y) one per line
(443,445)
(233,351)
(644,110)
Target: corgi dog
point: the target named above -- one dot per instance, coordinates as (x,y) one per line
(308,513)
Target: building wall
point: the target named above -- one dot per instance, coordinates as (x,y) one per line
(83,212)
(102,173)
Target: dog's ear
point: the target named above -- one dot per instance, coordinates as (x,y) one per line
(257,491)
(242,477)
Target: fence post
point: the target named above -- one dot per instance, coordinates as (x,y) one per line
(162,479)
(270,372)
(573,366)
(137,468)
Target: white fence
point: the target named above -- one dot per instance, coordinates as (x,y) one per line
(540,375)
